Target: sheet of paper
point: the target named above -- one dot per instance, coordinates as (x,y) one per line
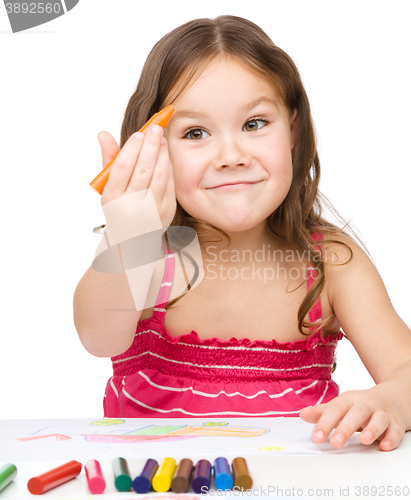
(140,438)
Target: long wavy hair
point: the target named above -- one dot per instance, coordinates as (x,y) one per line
(173,65)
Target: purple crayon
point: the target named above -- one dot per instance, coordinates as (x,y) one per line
(201,477)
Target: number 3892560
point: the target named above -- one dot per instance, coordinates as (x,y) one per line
(33,8)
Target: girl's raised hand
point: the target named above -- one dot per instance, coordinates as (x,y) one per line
(142,163)
(375,413)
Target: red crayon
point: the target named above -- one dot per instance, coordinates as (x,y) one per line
(51,479)
(95,479)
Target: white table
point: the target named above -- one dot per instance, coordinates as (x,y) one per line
(343,473)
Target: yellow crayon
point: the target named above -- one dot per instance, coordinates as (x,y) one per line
(162,480)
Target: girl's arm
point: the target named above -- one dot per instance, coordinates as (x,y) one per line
(139,197)
(363,308)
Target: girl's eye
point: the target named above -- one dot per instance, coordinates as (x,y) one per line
(254,124)
(196,134)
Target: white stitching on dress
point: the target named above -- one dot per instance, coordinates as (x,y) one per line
(161,410)
(187,363)
(215,395)
(322,397)
(232,348)
(113,387)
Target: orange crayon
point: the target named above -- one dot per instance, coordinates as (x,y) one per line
(161,118)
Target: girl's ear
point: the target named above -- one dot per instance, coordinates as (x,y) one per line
(294,127)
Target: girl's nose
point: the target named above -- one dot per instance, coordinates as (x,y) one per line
(231,153)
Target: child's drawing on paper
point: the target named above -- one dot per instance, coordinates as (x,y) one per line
(143,437)
(175,432)
(158,432)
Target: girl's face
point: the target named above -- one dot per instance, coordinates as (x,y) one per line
(231,126)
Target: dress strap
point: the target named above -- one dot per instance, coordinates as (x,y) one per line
(315,311)
(164,293)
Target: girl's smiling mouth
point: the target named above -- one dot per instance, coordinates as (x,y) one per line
(238,185)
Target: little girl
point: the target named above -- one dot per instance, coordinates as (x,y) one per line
(257,335)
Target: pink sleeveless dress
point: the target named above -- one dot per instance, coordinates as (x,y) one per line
(185,376)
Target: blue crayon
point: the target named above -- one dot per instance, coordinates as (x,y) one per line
(223,479)
(142,483)
(201,477)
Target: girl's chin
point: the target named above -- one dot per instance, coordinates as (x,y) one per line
(234,222)
(234,226)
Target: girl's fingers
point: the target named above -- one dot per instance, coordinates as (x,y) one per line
(311,414)
(143,163)
(358,415)
(355,417)
(392,437)
(109,146)
(347,415)
(162,185)
(122,168)
(378,423)
(332,414)
(161,172)
(147,160)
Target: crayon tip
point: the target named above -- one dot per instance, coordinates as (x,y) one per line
(166,114)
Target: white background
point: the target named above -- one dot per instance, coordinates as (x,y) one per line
(63,82)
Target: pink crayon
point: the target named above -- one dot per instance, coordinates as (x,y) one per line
(95,479)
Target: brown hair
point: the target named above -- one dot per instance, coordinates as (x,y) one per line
(169,69)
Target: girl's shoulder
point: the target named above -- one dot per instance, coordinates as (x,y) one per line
(360,301)
(346,262)
(338,249)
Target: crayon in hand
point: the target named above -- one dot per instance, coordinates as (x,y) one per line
(161,118)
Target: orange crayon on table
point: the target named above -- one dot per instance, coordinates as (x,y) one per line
(161,118)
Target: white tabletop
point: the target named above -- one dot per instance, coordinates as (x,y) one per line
(354,471)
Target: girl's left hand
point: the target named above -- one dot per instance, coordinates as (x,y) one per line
(375,413)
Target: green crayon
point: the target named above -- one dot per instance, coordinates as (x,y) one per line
(122,481)
(7,473)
